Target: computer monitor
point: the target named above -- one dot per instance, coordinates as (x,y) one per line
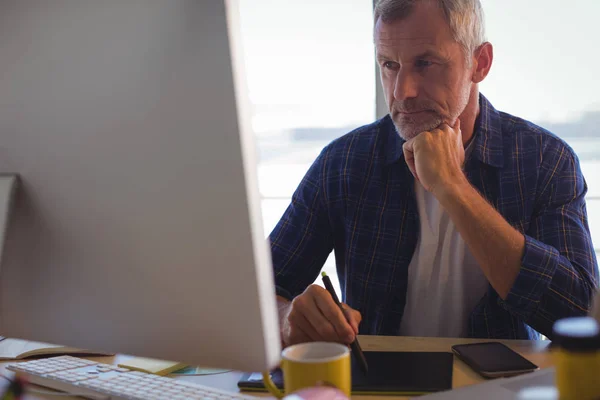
(136,226)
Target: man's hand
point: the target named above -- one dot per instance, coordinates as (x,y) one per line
(436,157)
(314,316)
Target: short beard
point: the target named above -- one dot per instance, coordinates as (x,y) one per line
(410,129)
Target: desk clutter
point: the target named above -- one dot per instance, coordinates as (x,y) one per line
(575,352)
(152,366)
(90,379)
(390,373)
(17,349)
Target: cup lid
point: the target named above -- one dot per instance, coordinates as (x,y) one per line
(577,333)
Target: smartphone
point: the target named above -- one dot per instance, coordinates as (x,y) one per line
(493,359)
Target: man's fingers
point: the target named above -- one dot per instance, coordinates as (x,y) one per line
(297,336)
(335,316)
(306,313)
(409,156)
(314,315)
(456,126)
(317,320)
(353,317)
(300,329)
(443,127)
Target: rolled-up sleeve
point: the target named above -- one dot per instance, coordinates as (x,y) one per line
(303,239)
(559,271)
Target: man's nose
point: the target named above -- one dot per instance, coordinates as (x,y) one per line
(406,86)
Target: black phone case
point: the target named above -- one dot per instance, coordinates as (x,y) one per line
(493,365)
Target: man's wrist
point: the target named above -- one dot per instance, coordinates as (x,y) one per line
(452,191)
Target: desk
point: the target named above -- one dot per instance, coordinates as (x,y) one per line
(462,375)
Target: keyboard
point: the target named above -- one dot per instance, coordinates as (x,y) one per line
(93,380)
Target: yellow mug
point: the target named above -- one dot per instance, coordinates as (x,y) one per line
(313,364)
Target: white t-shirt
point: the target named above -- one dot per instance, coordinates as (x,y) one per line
(445,282)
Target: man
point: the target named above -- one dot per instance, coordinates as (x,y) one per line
(447,217)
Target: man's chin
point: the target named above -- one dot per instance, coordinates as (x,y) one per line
(407,136)
(409,128)
(408,133)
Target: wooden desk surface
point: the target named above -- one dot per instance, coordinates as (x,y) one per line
(462,375)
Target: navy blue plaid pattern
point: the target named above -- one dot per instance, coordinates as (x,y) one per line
(358,200)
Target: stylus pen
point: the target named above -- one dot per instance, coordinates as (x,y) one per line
(356,350)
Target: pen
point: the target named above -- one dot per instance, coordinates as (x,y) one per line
(356,350)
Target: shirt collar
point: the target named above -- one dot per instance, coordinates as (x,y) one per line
(395,142)
(487,137)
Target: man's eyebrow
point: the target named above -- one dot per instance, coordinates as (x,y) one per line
(381,57)
(431,54)
(424,54)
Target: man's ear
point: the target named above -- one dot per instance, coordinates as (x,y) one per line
(483,58)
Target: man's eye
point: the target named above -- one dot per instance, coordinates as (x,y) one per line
(391,65)
(423,63)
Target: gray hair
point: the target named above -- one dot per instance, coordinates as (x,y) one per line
(465,18)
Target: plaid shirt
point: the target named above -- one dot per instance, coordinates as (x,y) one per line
(358,200)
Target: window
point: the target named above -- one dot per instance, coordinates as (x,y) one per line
(545,70)
(311,78)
